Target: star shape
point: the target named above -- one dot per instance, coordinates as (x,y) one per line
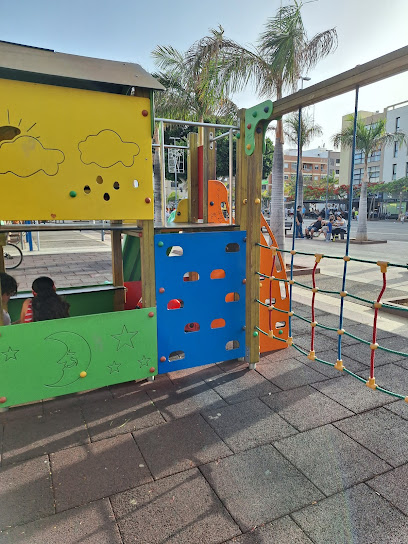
(144,361)
(124,338)
(114,367)
(10,354)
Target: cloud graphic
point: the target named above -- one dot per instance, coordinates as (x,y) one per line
(25,156)
(106,149)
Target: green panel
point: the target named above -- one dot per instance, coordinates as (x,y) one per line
(45,359)
(257,118)
(97,300)
(132,270)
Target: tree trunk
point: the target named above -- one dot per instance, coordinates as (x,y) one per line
(277,220)
(157,189)
(362,207)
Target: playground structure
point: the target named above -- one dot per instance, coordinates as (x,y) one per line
(91,159)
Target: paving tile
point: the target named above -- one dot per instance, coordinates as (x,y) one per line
(279,356)
(90,524)
(331,357)
(392,377)
(185,398)
(357,515)
(21,412)
(197,374)
(259,485)
(247,424)
(36,435)
(400,408)
(393,487)
(306,408)
(281,531)
(120,415)
(330,459)
(179,445)
(289,374)
(26,492)
(362,354)
(322,343)
(353,394)
(129,388)
(180,509)
(97,470)
(382,432)
(241,385)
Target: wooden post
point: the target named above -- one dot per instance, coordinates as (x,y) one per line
(147,264)
(117,268)
(3,240)
(192,177)
(212,154)
(253,228)
(241,178)
(206,171)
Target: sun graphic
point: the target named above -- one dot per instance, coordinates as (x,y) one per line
(22,153)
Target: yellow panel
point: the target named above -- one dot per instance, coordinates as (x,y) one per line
(73,154)
(182,211)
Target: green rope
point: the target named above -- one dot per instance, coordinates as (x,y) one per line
(354,375)
(357,338)
(402,308)
(360,298)
(262,303)
(260,330)
(324,362)
(392,351)
(390,393)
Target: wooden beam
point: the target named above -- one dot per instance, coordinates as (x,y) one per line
(364,74)
(117,269)
(147,264)
(212,154)
(206,171)
(192,177)
(253,253)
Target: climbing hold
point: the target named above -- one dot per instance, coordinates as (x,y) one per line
(255,114)
(211,203)
(238,135)
(72,194)
(245,201)
(255,334)
(82,374)
(244,239)
(152,369)
(151,314)
(161,290)
(244,281)
(3,400)
(280,331)
(145,113)
(160,244)
(162,359)
(266,109)
(258,130)
(248,146)
(249,126)
(257,200)
(148,200)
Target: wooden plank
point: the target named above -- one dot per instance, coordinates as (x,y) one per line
(117,268)
(192,177)
(253,212)
(378,69)
(206,169)
(148,267)
(241,178)
(212,154)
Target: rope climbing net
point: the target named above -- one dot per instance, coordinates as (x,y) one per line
(377,304)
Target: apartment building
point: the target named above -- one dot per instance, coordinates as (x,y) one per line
(317,164)
(395,162)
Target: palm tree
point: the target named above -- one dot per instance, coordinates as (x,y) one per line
(283,54)
(308,131)
(370,137)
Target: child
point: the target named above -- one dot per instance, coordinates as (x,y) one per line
(328,228)
(8,289)
(45,305)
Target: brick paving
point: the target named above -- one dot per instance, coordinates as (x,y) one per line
(292,452)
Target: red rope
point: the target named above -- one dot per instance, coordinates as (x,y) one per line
(375,325)
(313,307)
(270,292)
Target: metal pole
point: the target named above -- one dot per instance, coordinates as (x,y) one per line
(38,237)
(230,164)
(102,231)
(167,146)
(193,123)
(163,174)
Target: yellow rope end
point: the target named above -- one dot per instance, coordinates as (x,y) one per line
(371,383)
(340,331)
(343,293)
(291,282)
(289,341)
(293,252)
(260,285)
(374,346)
(383,266)
(270,334)
(406,399)
(346,258)
(313,323)
(312,355)
(291,314)
(270,308)
(273,250)
(315,289)
(339,365)
(377,304)
(319,257)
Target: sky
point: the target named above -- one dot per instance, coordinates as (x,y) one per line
(129,30)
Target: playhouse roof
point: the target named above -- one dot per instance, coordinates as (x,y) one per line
(46,66)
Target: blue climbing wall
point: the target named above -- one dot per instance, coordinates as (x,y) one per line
(204,273)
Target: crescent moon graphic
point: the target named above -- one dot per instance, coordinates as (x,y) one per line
(76,358)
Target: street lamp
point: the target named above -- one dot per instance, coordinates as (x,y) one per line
(302,79)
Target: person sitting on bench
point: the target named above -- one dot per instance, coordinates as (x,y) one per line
(316,227)
(45,305)
(340,226)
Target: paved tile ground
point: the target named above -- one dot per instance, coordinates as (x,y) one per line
(293,452)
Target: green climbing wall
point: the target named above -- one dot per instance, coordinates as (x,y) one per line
(45,359)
